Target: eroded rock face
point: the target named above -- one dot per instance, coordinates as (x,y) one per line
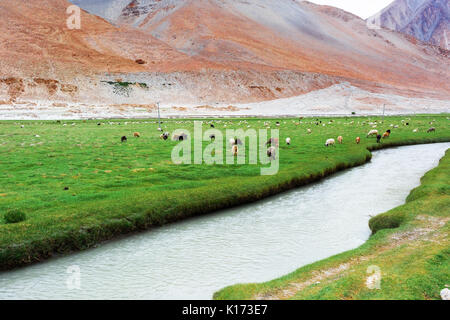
(204,52)
(426,20)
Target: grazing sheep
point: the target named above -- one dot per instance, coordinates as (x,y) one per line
(179,137)
(273,141)
(164,136)
(137,135)
(123,139)
(416,130)
(309,131)
(431,130)
(340,139)
(372,133)
(235,142)
(288,141)
(387,134)
(379,138)
(272,153)
(330,142)
(212,126)
(235,150)
(358,140)
(212,137)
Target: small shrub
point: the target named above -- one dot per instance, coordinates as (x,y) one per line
(15,216)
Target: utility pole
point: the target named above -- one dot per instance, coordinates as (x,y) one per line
(159,117)
(384,110)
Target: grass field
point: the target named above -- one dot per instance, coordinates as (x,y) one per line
(411,261)
(79,185)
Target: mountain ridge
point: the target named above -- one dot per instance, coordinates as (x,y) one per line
(204,52)
(426,20)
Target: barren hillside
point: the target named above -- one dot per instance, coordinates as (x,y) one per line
(204,52)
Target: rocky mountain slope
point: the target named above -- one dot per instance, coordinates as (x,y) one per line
(203,52)
(426,20)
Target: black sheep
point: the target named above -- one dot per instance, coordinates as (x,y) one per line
(124,139)
(273,141)
(379,138)
(237,142)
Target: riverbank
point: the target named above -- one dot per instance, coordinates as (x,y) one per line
(115,189)
(407,256)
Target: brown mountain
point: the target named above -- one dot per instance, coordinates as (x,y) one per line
(204,51)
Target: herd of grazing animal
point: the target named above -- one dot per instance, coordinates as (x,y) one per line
(372,133)
(274,143)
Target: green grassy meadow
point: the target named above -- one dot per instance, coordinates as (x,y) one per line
(78,184)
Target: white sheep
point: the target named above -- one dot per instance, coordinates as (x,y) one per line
(372,133)
(330,142)
(288,141)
